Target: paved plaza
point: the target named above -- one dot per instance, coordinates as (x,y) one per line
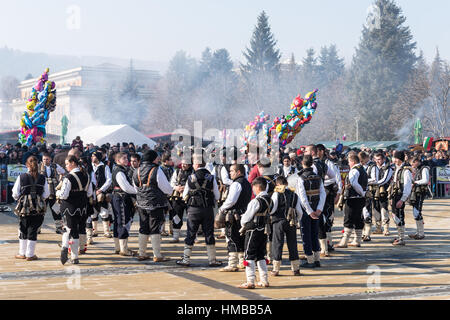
(377,270)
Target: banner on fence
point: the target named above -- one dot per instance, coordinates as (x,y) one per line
(443,174)
(15,170)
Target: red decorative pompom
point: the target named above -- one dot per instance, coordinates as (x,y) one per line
(267,261)
(343,231)
(245,263)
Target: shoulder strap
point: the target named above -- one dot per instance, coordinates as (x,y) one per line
(80,187)
(150,176)
(139,176)
(88,182)
(195,181)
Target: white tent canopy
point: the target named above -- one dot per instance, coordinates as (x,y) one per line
(99,135)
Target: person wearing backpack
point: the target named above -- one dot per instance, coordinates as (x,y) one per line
(312,196)
(152,202)
(285,217)
(30,190)
(200,194)
(253,223)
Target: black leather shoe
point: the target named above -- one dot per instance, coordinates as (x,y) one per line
(307,265)
(317,264)
(64,253)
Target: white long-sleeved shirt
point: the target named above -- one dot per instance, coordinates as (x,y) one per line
(59,170)
(233,196)
(373,175)
(287,171)
(224,175)
(301,192)
(124,184)
(425,177)
(252,209)
(215,189)
(173,179)
(386,176)
(163,183)
(330,172)
(298,206)
(353,177)
(210,167)
(337,175)
(407,183)
(64,192)
(17,192)
(108,176)
(161,180)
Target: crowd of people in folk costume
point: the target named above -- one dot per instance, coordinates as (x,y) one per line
(253,202)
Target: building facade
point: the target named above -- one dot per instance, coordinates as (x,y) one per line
(78,92)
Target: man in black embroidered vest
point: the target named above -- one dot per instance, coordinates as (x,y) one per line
(178,182)
(200,193)
(152,190)
(101,176)
(312,196)
(122,204)
(239,195)
(380,204)
(372,176)
(401,189)
(285,216)
(167,167)
(286,169)
(74,193)
(222,175)
(268,173)
(52,171)
(355,200)
(418,195)
(253,223)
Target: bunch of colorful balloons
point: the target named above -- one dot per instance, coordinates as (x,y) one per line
(287,127)
(41,102)
(252,130)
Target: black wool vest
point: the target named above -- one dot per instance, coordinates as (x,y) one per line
(244,197)
(311,183)
(286,200)
(201,194)
(149,195)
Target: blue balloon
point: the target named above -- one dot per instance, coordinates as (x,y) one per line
(27,121)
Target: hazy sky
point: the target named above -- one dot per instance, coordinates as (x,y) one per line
(155,30)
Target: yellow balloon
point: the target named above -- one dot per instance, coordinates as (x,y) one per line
(31,105)
(22,123)
(279,128)
(308,95)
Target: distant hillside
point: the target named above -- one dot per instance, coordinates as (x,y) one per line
(19,64)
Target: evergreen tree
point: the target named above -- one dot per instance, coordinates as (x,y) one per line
(182,74)
(205,64)
(438,117)
(331,66)
(382,64)
(310,70)
(262,56)
(129,101)
(221,62)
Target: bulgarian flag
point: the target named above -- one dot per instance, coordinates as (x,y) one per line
(427,143)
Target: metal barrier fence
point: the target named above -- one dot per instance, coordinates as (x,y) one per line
(3,192)
(439,187)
